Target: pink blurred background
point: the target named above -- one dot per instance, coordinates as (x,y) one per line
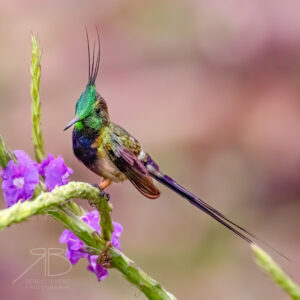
(211,90)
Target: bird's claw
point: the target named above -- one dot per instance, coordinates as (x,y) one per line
(103,194)
(104,259)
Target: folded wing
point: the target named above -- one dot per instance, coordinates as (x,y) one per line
(128,163)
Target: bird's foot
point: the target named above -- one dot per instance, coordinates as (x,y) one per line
(103,194)
(104,184)
(104,259)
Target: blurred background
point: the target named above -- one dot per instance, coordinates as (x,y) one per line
(211,89)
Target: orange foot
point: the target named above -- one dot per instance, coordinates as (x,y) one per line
(104,184)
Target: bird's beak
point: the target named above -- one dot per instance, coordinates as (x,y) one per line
(75,120)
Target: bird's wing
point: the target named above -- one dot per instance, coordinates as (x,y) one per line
(123,149)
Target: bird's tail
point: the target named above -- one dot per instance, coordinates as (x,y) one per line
(173,185)
(155,173)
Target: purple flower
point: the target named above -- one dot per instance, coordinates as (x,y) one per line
(75,246)
(55,171)
(115,239)
(100,272)
(77,249)
(19,181)
(44,164)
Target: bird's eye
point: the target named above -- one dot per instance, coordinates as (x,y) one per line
(97,110)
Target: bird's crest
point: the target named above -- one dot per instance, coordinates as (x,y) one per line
(93,66)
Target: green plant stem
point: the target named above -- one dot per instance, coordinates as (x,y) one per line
(119,261)
(22,211)
(105,209)
(75,208)
(275,272)
(50,203)
(106,225)
(35,70)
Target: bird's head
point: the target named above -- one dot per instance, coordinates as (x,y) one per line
(90,107)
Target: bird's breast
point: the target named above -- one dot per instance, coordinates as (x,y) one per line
(86,150)
(83,150)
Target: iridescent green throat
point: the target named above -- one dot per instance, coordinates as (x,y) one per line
(90,123)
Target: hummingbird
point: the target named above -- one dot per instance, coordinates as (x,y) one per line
(115,155)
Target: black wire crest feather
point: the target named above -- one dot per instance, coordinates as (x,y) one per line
(94,68)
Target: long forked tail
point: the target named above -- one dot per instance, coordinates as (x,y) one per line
(173,185)
(155,173)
